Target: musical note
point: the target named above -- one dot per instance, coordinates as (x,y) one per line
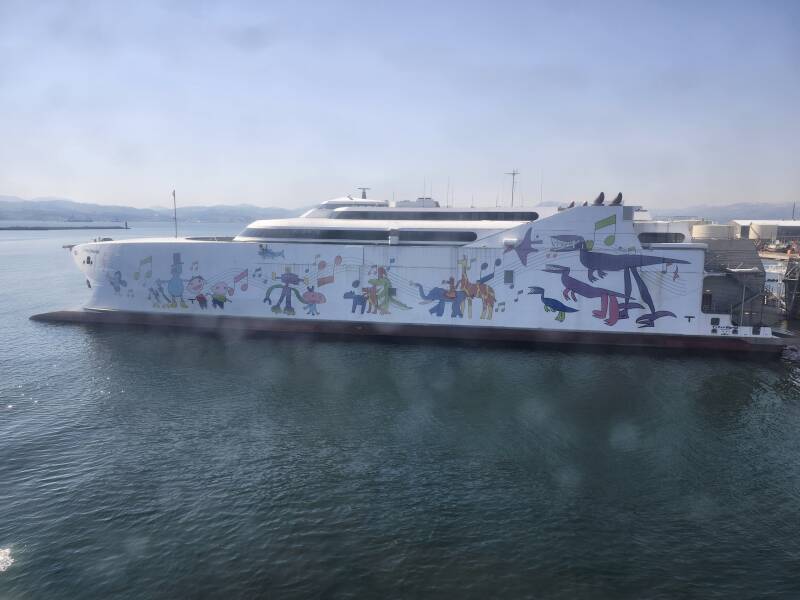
(501,307)
(145,261)
(326,279)
(675,274)
(238,278)
(607,222)
(257,272)
(518,293)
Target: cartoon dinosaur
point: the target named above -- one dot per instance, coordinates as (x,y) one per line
(442,296)
(523,248)
(629,264)
(380,295)
(609,305)
(553,305)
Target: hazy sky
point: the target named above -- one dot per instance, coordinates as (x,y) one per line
(284,104)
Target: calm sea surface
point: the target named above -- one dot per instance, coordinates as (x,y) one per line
(144,463)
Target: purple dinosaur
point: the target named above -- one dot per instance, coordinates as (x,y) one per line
(611,310)
(629,263)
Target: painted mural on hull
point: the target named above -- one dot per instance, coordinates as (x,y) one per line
(542,279)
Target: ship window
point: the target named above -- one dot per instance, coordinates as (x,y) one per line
(660,237)
(405,215)
(315,234)
(508,277)
(715,321)
(706,304)
(438,236)
(359,234)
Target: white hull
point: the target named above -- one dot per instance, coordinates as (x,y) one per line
(519,279)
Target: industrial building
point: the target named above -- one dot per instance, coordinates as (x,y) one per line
(767,230)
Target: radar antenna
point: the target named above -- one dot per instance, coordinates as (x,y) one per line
(363,192)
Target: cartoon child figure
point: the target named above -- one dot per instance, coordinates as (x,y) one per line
(219,295)
(117,282)
(195,287)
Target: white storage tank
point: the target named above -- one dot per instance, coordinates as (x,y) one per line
(714,231)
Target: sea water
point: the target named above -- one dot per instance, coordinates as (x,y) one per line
(154,463)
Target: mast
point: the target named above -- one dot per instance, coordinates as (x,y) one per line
(175,213)
(513,174)
(363,192)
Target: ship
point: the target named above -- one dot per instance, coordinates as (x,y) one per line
(593,273)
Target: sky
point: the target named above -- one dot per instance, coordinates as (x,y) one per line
(287,104)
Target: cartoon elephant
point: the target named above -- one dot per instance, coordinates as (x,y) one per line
(441,296)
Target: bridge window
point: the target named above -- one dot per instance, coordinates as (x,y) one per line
(508,277)
(660,237)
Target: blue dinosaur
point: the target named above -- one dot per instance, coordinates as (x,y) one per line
(553,305)
(441,296)
(610,308)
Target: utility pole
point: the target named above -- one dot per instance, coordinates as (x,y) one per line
(363,192)
(513,174)
(175,212)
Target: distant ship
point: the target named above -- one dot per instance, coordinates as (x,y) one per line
(598,273)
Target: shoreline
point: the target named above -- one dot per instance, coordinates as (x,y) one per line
(56,228)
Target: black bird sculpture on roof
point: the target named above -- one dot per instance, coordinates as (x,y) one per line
(617,201)
(599,200)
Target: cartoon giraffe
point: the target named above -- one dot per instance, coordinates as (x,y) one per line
(476,289)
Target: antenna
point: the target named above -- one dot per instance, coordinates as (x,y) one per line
(363,192)
(175,212)
(513,174)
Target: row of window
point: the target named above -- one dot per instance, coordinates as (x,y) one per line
(647,237)
(398,215)
(359,235)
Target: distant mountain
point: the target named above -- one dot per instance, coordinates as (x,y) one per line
(729,212)
(60,209)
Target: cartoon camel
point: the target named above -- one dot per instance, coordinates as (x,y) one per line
(476,289)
